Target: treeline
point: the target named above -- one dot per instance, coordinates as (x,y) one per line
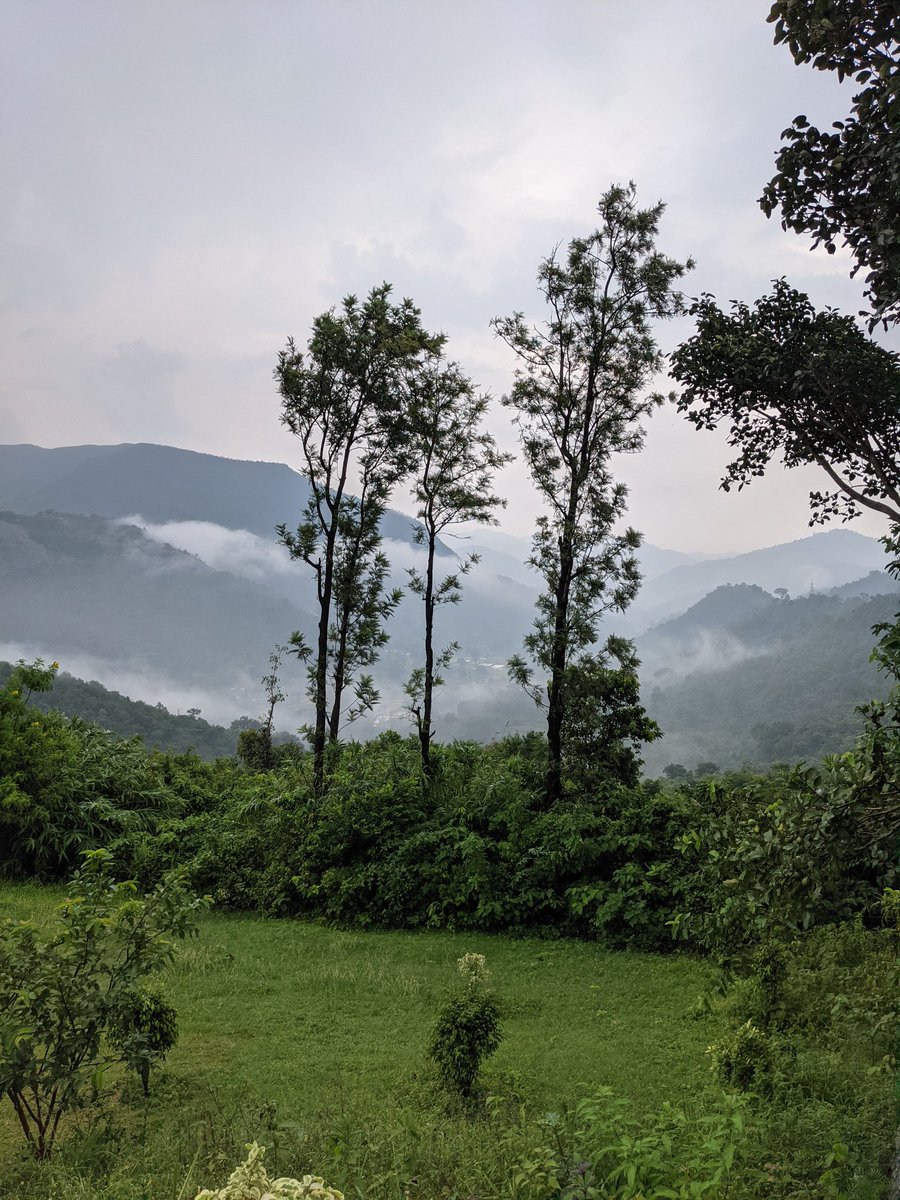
(472,845)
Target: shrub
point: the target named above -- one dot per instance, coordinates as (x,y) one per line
(143,1029)
(467,1029)
(743,1059)
(60,994)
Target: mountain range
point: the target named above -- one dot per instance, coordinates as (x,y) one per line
(157,571)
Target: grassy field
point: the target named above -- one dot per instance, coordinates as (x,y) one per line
(313,1042)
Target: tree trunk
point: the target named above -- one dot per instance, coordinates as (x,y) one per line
(322,667)
(425,723)
(559,652)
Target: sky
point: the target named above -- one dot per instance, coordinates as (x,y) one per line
(189,182)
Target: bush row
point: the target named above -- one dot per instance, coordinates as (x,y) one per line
(717,863)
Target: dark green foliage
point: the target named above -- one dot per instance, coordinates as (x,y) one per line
(65,786)
(61,992)
(467,1030)
(721,862)
(801,386)
(842,185)
(579,393)
(143,1029)
(604,723)
(604,1150)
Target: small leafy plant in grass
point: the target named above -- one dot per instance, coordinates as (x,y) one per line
(60,994)
(143,1030)
(467,1029)
(250,1181)
(603,1150)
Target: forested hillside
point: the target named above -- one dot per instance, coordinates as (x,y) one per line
(160,483)
(746,678)
(159,728)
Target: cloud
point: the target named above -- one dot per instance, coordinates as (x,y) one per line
(192,183)
(220,706)
(704,652)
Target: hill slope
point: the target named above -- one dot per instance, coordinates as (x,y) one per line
(94,591)
(745,678)
(161,483)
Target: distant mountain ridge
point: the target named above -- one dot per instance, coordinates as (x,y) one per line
(727,665)
(817,563)
(161,483)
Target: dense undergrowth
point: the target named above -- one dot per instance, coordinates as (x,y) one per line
(782,880)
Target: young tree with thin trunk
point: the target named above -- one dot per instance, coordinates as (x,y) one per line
(342,399)
(362,604)
(578,396)
(455,459)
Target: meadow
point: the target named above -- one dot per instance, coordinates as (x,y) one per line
(697,983)
(312,1041)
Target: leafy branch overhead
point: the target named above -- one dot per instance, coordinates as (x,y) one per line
(842,186)
(808,386)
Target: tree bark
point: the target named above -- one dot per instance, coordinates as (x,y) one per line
(425,723)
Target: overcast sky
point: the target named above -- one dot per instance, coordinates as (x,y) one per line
(187,183)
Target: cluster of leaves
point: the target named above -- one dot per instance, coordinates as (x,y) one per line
(840,185)
(65,786)
(467,1029)
(63,992)
(250,1180)
(808,386)
(799,847)
(604,1151)
(143,1029)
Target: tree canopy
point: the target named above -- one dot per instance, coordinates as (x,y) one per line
(809,386)
(578,397)
(344,400)
(842,186)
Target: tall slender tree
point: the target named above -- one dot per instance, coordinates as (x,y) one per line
(578,396)
(342,399)
(455,459)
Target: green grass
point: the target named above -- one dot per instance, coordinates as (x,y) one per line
(314,1040)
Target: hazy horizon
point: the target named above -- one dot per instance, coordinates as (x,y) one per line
(190,184)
